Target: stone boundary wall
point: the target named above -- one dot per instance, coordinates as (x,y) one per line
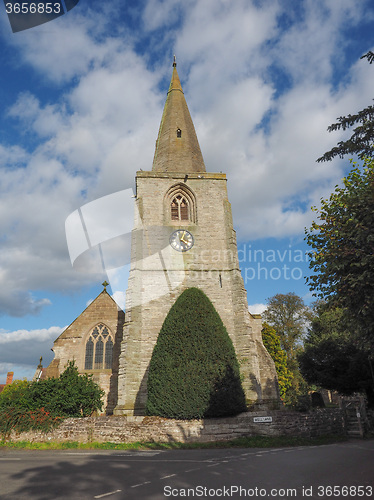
(132,429)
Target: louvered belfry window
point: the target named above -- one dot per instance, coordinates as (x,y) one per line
(180,204)
(99,349)
(179,208)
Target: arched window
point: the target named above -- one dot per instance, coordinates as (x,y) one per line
(99,352)
(89,354)
(99,349)
(181,204)
(108,354)
(179,208)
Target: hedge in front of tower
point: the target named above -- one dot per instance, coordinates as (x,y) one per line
(193,371)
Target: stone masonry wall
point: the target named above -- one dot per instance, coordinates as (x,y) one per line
(146,429)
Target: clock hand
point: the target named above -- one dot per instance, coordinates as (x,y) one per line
(182,238)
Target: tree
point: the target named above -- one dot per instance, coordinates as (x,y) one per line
(193,371)
(332,358)
(342,256)
(16,393)
(362,140)
(289,317)
(272,343)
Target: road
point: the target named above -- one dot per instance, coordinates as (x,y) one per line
(303,472)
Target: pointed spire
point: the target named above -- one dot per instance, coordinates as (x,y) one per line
(177,147)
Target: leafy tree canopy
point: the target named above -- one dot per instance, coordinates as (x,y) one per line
(16,393)
(361,141)
(288,315)
(193,371)
(342,242)
(332,358)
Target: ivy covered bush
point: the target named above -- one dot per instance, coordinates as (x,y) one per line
(193,371)
(273,346)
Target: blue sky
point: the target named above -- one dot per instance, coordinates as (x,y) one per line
(81,102)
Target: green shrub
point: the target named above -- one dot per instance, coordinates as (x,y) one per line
(16,394)
(194,372)
(41,405)
(71,395)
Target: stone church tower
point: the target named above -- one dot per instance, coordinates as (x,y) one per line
(183,237)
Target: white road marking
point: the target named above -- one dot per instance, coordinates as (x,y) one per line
(108,494)
(79,454)
(140,484)
(165,477)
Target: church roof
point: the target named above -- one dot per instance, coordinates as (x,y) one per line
(96,311)
(177,147)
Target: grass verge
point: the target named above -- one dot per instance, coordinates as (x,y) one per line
(243,442)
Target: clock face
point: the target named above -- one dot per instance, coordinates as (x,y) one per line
(181,240)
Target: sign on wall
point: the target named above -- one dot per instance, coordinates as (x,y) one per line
(262,419)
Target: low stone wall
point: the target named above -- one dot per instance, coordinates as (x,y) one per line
(131,429)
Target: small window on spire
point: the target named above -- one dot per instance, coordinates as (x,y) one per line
(179,132)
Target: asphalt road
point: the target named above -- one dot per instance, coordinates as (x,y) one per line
(344,470)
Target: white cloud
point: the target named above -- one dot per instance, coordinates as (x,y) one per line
(257,308)
(40,335)
(160,13)
(70,46)
(21,350)
(90,144)
(120,298)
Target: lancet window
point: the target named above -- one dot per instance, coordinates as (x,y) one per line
(99,349)
(179,208)
(181,204)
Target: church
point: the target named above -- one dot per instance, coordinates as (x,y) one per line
(183,236)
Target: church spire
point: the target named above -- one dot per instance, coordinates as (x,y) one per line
(177,147)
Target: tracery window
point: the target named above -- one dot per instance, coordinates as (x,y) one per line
(179,208)
(99,349)
(181,203)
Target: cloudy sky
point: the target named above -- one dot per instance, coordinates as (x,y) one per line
(81,102)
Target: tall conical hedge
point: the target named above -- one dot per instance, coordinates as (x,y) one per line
(194,372)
